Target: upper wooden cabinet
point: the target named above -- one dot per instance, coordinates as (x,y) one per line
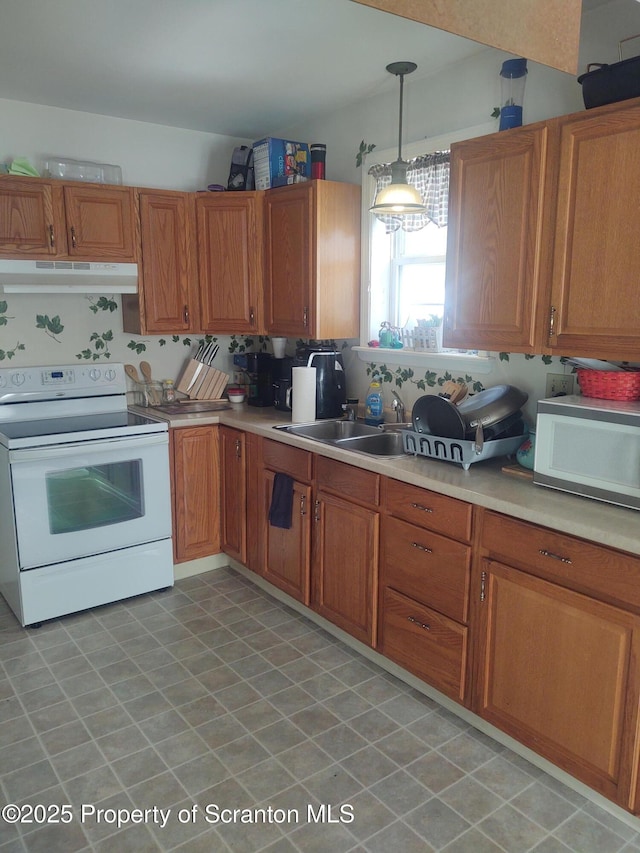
(167,300)
(497,241)
(230,254)
(82,221)
(543,253)
(312,233)
(597,250)
(31,218)
(101,222)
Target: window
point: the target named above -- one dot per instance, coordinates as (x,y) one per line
(406,269)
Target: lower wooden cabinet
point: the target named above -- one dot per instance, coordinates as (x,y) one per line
(424,586)
(425,642)
(195,486)
(558,673)
(345,565)
(233,478)
(286,551)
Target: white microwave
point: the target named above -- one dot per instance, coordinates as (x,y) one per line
(589,447)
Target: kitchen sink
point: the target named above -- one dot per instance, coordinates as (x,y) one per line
(353,435)
(332,430)
(381,444)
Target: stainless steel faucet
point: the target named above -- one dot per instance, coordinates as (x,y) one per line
(399,406)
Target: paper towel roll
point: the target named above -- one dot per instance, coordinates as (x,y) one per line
(303,394)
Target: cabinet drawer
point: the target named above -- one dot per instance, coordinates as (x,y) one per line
(426,643)
(426,566)
(348,481)
(429,509)
(289,460)
(585,566)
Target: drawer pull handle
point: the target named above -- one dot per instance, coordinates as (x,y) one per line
(419,623)
(423,508)
(52,239)
(303,505)
(74,240)
(553,556)
(421,547)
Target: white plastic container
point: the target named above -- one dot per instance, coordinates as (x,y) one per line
(64,168)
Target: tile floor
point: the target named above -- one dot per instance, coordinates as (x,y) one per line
(216,696)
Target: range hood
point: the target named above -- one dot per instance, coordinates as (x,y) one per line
(67,277)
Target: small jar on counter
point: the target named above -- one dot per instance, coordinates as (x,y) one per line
(168,391)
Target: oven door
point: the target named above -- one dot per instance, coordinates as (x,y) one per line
(77,500)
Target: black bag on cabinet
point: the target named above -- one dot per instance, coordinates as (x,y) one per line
(241,172)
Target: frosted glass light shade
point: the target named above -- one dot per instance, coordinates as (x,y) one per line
(398,197)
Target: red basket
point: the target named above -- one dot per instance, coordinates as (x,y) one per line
(610,384)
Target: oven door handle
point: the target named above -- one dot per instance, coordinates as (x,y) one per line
(102,445)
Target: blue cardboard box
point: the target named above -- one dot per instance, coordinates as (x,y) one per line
(278,162)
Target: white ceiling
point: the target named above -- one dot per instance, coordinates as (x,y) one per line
(243,68)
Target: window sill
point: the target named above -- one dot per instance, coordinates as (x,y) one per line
(453,361)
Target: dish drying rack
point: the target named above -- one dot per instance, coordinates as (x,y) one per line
(458,450)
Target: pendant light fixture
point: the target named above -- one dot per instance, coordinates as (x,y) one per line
(399,198)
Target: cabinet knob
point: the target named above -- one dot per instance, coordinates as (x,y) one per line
(553,556)
(252,315)
(419,623)
(483,586)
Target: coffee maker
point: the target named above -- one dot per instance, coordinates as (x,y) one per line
(331,389)
(282,381)
(258,367)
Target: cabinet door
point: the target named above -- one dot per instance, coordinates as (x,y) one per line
(558,674)
(233,475)
(196,492)
(597,250)
(289,261)
(31,218)
(167,301)
(345,565)
(101,223)
(231,261)
(286,552)
(498,260)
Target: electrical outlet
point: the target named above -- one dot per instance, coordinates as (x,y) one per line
(559,384)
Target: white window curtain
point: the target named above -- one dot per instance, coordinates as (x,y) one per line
(429,173)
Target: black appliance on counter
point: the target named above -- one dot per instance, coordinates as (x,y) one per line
(281,371)
(258,368)
(331,387)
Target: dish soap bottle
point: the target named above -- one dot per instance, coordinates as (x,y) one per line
(374,404)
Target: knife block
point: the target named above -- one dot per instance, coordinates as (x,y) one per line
(209,385)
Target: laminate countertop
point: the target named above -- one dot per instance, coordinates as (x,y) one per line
(484,484)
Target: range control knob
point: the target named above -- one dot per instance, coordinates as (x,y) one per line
(3,381)
(94,374)
(110,374)
(18,378)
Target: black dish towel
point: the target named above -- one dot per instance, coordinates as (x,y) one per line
(281,501)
